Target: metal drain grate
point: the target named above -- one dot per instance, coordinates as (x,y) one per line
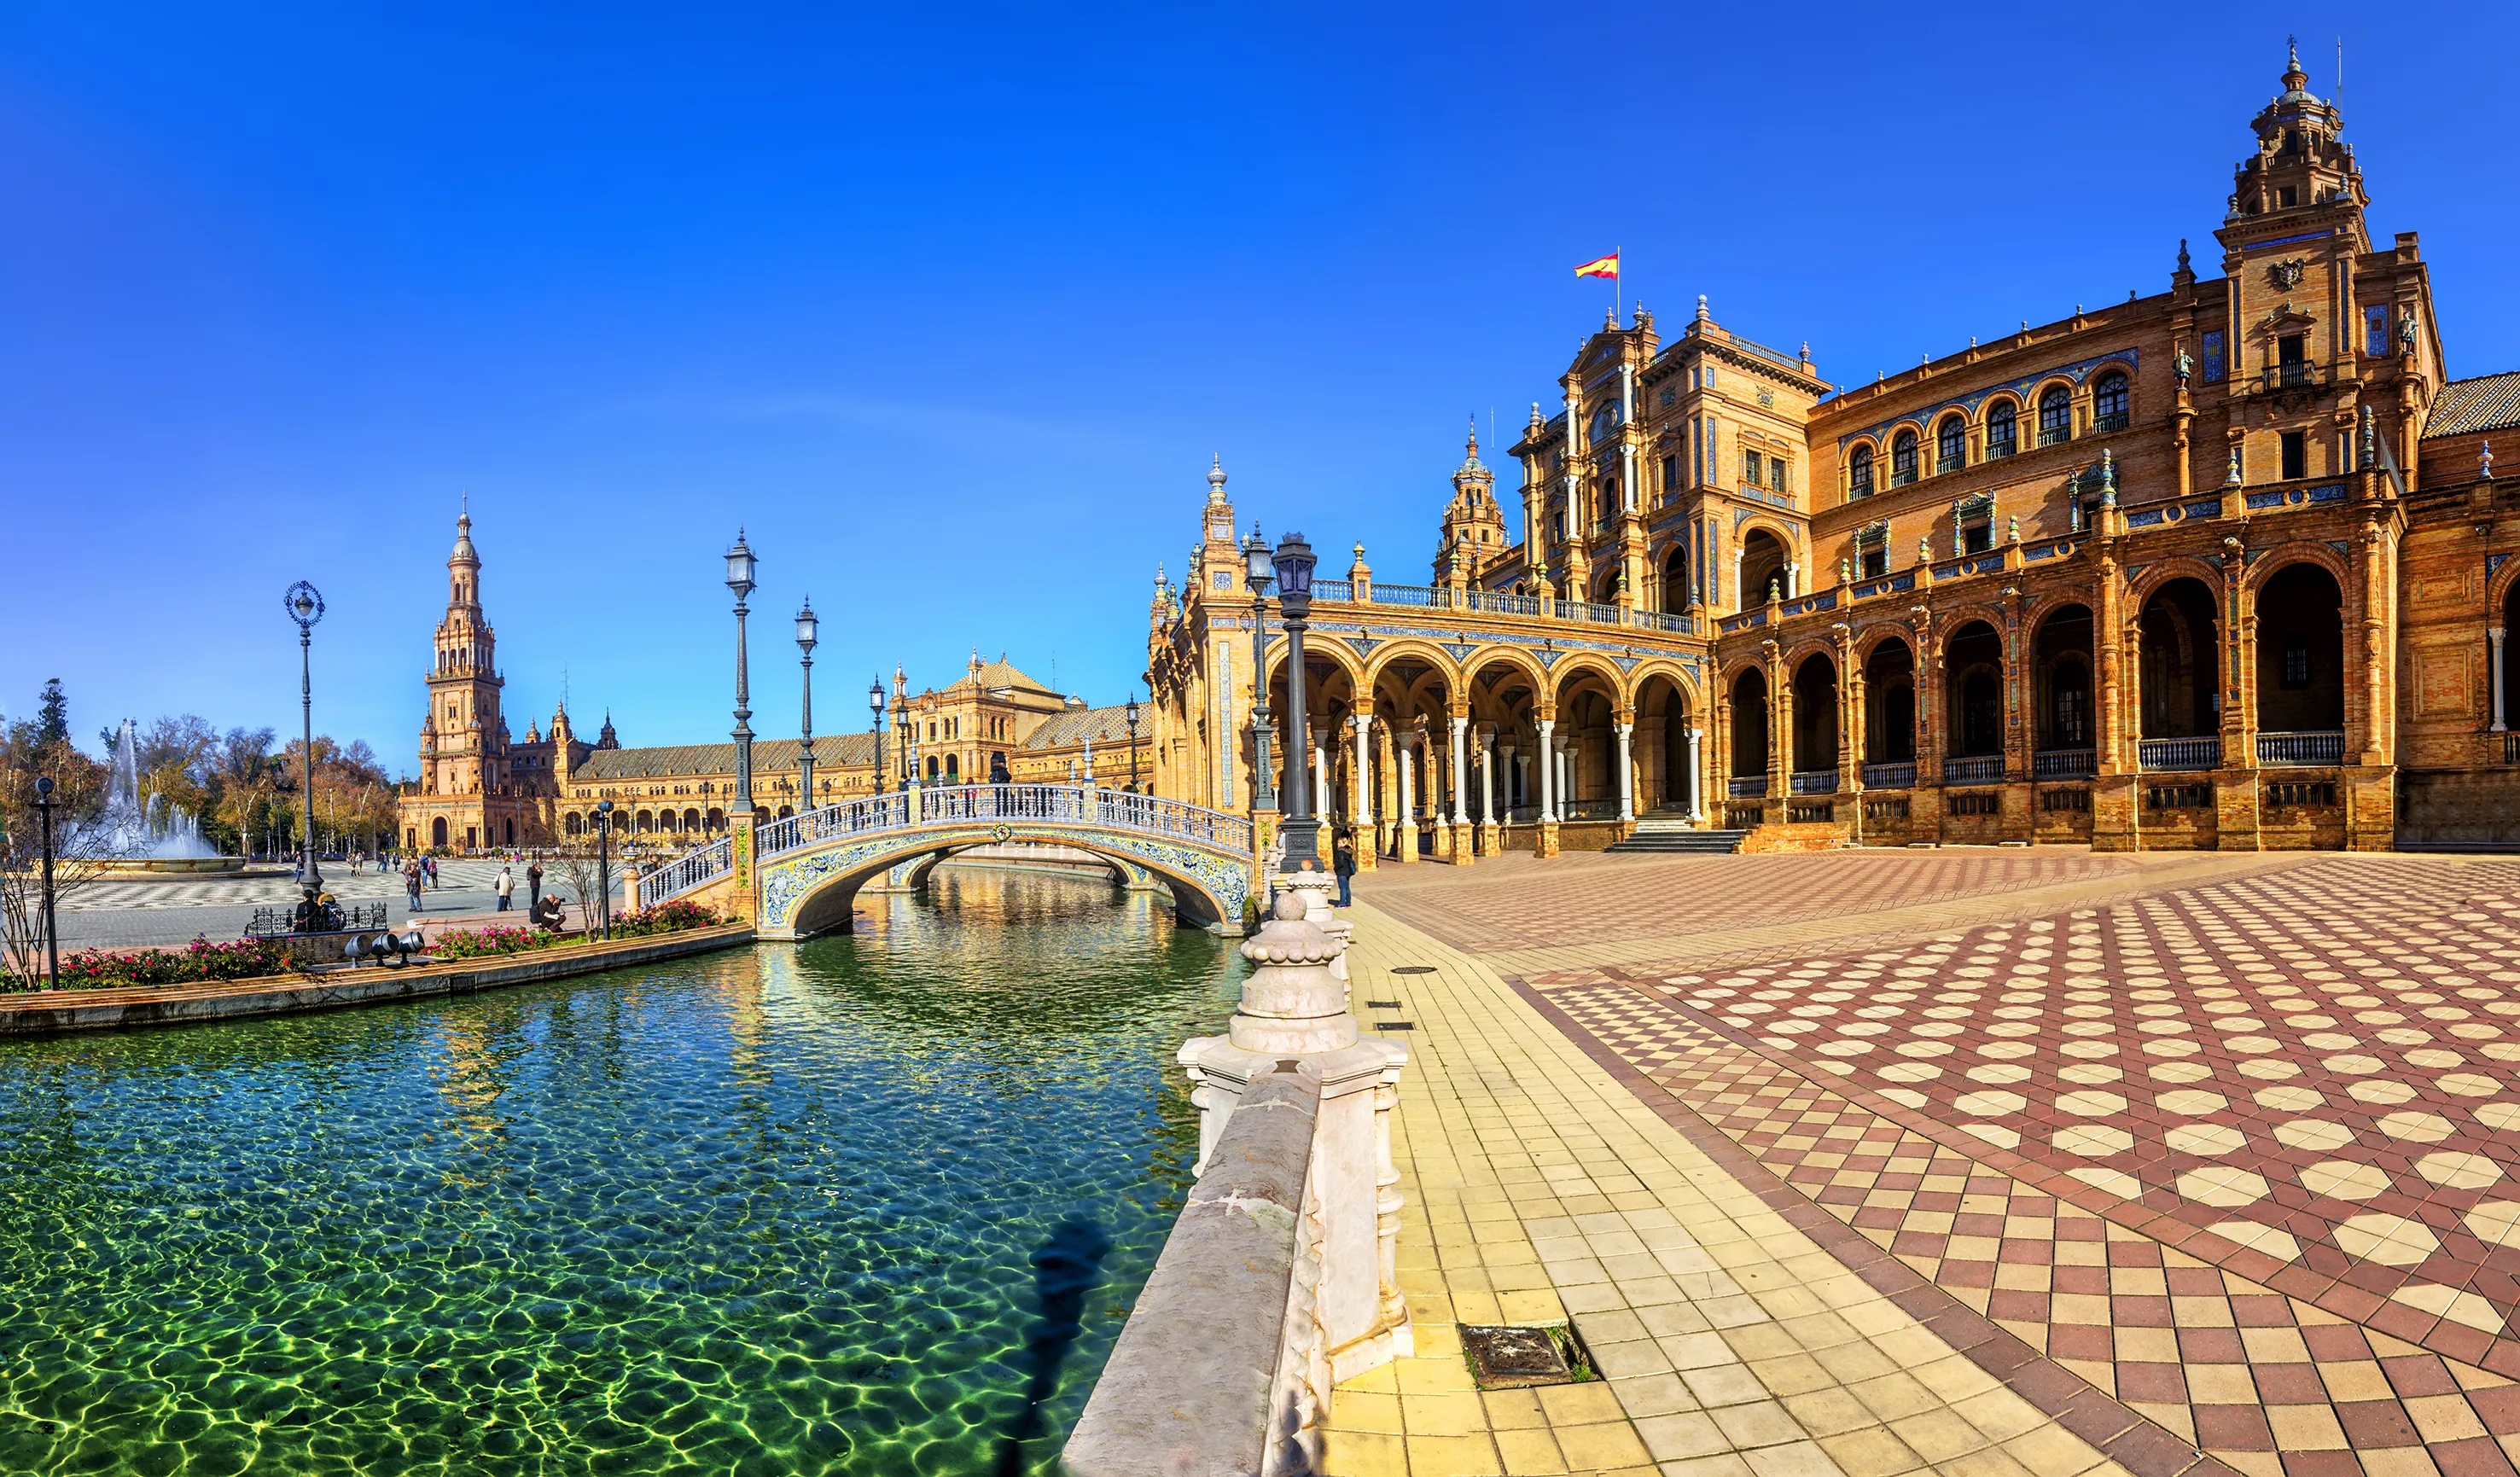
(1412,968)
(1383,1005)
(1504,1357)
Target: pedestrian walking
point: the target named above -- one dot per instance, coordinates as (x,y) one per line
(429,870)
(411,883)
(534,889)
(1343,860)
(507,885)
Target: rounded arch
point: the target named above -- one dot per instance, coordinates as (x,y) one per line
(1951,441)
(2272,562)
(2112,384)
(2177,566)
(438,831)
(1870,636)
(1413,648)
(813,891)
(1576,665)
(1974,668)
(1816,701)
(2053,403)
(1863,472)
(2004,403)
(1337,654)
(1905,452)
(1763,547)
(1501,654)
(1669,670)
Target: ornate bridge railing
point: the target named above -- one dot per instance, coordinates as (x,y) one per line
(1085,806)
(692,869)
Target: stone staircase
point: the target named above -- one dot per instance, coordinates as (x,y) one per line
(1668,833)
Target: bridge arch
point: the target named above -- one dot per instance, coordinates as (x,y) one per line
(814,890)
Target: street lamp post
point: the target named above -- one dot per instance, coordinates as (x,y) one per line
(1133,743)
(306,607)
(806,631)
(52,942)
(604,867)
(875,705)
(1256,574)
(1294,566)
(740,566)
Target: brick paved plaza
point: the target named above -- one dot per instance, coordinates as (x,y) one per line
(2204,1158)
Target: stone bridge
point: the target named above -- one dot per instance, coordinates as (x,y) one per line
(802,872)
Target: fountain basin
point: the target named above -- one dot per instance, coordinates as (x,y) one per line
(175,869)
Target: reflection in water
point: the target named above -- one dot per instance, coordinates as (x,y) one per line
(766,1211)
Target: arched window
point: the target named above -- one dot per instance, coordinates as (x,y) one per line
(1605,420)
(2056,417)
(2109,402)
(1951,444)
(438,831)
(1903,458)
(1859,472)
(1998,431)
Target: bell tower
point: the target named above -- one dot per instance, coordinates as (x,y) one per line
(1473,535)
(464,683)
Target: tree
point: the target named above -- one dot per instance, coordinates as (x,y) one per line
(53,716)
(81,849)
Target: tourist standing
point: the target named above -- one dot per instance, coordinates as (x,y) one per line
(507,887)
(534,889)
(411,882)
(1343,860)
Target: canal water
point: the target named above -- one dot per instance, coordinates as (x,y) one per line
(767,1211)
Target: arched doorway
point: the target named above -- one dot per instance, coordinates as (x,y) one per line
(2067,729)
(1674,579)
(2182,697)
(438,831)
(1890,715)
(1974,687)
(1666,780)
(1751,731)
(2301,668)
(1763,569)
(1814,759)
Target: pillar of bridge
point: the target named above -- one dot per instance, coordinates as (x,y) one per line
(1294,1016)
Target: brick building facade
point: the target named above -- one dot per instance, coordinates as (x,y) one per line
(2224,566)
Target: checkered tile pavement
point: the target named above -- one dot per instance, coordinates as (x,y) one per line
(2234,1155)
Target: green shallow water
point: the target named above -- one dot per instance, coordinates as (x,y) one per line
(767,1211)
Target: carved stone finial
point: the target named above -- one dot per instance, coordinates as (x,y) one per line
(2232,473)
(2369,453)
(1701,307)
(2485,459)
(1924,548)
(2012,530)
(1216,479)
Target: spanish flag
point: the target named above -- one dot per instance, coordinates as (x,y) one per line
(1600,266)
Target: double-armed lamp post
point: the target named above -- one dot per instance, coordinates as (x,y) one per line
(1293,565)
(875,706)
(807,632)
(306,607)
(740,566)
(1133,743)
(1257,571)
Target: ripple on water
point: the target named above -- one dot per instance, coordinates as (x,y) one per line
(766,1211)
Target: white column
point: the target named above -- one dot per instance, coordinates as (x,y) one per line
(1407,820)
(1793,580)
(1627,783)
(1566,786)
(1461,772)
(1627,442)
(1741,600)
(1547,765)
(1697,777)
(1323,805)
(1487,779)
(2494,633)
(1364,817)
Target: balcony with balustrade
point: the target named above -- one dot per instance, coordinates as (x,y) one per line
(2064,763)
(2300,749)
(1974,769)
(2200,751)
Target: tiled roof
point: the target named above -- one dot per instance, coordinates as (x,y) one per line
(1070,729)
(1003,674)
(2488,402)
(830,751)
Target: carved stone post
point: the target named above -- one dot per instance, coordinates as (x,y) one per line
(1294,1007)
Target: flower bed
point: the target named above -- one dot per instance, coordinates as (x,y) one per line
(199,962)
(483,943)
(668,917)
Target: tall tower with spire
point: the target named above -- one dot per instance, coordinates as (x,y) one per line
(464,734)
(1473,535)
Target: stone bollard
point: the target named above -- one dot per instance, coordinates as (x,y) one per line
(1294,1015)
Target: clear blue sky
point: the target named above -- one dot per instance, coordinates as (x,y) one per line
(950,305)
